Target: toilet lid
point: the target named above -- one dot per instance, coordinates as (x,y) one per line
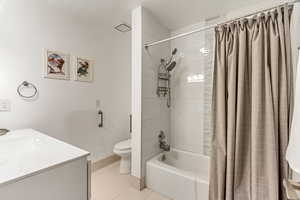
(124,145)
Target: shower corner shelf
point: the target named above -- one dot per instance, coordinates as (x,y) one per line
(163,84)
(164,76)
(165,79)
(162,91)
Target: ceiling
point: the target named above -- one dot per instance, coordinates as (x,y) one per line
(171,13)
(176,14)
(100,12)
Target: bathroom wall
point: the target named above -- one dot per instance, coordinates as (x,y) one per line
(150,113)
(64,109)
(191,91)
(136,92)
(155,113)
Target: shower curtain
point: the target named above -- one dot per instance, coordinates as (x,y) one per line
(251,108)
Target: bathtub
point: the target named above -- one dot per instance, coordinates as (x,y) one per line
(181,176)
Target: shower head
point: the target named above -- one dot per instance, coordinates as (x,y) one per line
(171,66)
(174,51)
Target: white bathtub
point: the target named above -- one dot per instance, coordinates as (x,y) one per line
(181,176)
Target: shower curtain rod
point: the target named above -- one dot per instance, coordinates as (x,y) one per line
(217,24)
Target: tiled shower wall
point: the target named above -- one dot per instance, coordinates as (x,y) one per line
(207,93)
(191,91)
(155,114)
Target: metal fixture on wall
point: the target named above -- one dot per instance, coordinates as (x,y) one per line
(164,77)
(130,123)
(100,113)
(26,84)
(162,142)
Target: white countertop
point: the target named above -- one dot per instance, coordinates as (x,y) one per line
(27,152)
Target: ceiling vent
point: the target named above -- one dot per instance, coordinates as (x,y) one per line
(123,28)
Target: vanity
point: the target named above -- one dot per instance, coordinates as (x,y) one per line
(34,166)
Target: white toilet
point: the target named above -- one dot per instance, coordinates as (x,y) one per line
(123,149)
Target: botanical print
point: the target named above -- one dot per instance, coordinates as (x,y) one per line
(84,70)
(57,65)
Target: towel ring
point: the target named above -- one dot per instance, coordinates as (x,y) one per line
(28,85)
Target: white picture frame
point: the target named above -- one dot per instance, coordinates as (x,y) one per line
(56,65)
(83,69)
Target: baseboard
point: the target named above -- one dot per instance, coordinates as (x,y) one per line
(104,162)
(138,183)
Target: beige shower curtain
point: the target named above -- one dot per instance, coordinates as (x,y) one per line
(251,108)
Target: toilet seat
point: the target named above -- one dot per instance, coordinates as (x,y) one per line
(123,146)
(122,152)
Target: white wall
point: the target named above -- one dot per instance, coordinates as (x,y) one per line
(64,109)
(136,93)
(150,113)
(155,113)
(191,99)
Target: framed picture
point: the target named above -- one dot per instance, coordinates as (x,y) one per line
(83,69)
(56,65)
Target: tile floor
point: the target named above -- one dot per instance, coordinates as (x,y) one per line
(108,184)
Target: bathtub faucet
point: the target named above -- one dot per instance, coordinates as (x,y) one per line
(162,142)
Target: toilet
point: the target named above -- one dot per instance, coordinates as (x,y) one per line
(123,149)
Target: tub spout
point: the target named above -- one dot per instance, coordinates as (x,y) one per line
(164,146)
